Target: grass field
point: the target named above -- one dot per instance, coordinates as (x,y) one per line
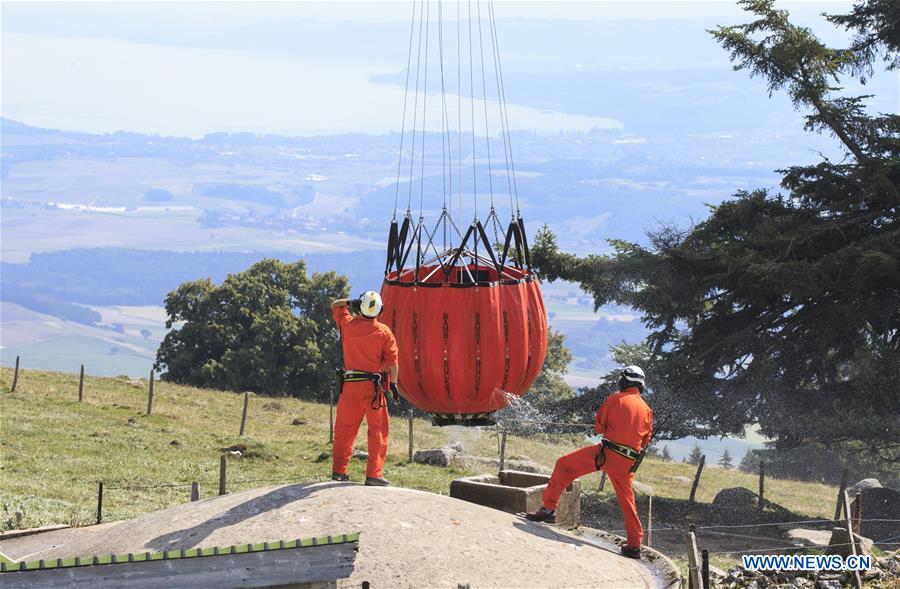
(54,450)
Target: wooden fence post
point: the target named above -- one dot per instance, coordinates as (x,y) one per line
(409,416)
(15,377)
(857,581)
(222,467)
(649,519)
(100,503)
(762,484)
(704,568)
(602,481)
(502,450)
(81,384)
(330,416)
(840,497)
(244,413)
(150,394)
(693,558)
(697,478)
(195,491)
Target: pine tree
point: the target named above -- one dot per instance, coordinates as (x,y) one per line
(665,455)
(725,460)
(695,455)
(781,307)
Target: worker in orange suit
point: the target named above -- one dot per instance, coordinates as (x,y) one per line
(367,378)
(625,421)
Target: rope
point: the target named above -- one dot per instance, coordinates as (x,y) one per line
(766,550)
(571,424)
(145,487)
(472,105)
(445,120)
(412,26)
(888,540)
(459,97)
(412,153)
(749,537)
(487,133)
(809,521)
(424,114)
(112,486)
(504,125)
(512,163)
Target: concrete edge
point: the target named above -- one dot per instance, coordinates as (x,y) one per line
(128,558)
(10,534)
(665,566)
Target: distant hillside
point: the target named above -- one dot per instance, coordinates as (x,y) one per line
(119,276)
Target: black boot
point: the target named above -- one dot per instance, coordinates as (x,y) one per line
(631,551)
(377,482)
(542,515)
(336,476)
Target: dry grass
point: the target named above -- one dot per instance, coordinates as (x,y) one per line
(55,449)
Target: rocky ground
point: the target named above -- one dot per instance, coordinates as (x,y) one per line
(885,574)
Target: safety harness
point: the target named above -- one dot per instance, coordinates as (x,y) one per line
(343,375)
(379,400)
(620,449)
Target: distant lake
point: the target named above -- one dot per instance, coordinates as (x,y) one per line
(111,85)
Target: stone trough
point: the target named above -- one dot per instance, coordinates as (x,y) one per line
(517,492)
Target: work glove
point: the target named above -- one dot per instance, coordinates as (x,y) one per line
(393,393)
(355,305)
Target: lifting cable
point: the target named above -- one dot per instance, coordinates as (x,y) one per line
(417,145)
(512,163)
(424,112)
(504,116)
(487,132)
(412,26)
(447,171)
(459,95)
(412,151)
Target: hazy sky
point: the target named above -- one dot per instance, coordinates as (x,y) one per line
(206,15)
(305,67)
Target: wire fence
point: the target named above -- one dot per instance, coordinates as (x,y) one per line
(504,426)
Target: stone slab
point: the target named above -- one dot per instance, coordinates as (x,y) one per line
(518,492)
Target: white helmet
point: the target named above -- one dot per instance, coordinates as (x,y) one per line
(633,374)
(370,304)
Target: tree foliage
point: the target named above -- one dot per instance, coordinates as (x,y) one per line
(538,412)
(725,459)
(550,387)
(267,329)
(695,456)
(665,455)
(781,308)
(673,418)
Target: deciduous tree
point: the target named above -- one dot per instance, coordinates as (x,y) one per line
(267,329)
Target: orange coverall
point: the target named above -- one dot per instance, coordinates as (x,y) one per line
(369,346)
(623,418)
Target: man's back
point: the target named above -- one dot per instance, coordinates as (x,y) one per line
(368,344)
(625,418)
